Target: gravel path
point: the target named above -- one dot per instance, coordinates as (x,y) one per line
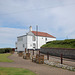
(40,69)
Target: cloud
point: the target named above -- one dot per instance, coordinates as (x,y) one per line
(8,36)
(53,16)
(64,20)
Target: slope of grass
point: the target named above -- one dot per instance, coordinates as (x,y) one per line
(70,43)
(4,57)
(15,71)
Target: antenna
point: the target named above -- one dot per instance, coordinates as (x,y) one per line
(67,37)
(37,36)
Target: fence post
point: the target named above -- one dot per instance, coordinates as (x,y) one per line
(47,55)
(25,50)
(39,52)
(28,50)
(33,52)
(61,58)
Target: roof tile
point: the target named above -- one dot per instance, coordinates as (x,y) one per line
(42,34)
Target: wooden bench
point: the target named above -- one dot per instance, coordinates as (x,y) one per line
(12,52)
(38,59)
(20,54)
(33,59)
(26,56)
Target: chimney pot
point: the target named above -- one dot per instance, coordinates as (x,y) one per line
(30,28)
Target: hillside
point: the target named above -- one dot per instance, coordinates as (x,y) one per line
(69,43)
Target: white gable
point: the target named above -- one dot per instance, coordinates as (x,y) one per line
(30,33)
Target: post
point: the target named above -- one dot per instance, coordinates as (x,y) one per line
(16,48)
(33,52)
(47,56)
(28,50)
(39,52)
(25,50)
(61,58)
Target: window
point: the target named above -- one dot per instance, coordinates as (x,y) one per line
(23,45)
(20,39)
(34,45)
(46,39)
(30,45)
(33,38)
(16,43)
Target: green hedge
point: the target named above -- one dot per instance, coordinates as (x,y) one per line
(69,43)
(5,50)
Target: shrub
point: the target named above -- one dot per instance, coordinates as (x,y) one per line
(68,43)
(5,50)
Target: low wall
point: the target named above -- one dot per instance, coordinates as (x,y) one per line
(68,53)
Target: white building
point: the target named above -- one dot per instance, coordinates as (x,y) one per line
(33,40)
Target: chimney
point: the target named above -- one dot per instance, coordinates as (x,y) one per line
(30,28)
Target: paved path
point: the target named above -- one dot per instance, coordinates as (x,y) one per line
(40,69)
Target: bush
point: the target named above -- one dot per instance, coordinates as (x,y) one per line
(68,43)
(5,50)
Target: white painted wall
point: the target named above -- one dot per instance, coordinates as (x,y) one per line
(42,40)
(20,43)
(29,42)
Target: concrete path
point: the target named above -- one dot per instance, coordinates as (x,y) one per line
(40,69)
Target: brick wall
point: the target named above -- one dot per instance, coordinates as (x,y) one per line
(68,53)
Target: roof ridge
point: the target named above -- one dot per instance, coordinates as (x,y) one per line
(42,32)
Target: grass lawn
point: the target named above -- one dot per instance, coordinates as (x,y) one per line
(15,71)
(4,57)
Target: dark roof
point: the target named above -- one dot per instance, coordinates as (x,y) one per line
(21,36)
(42,34)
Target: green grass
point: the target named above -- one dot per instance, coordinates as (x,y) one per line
(70,43)
(15,71)
(4,57)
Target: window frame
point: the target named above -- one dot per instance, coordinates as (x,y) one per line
(33,38)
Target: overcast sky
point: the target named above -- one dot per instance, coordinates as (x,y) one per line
(56,17)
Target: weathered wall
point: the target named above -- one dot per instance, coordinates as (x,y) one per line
(21,42)
(69,53)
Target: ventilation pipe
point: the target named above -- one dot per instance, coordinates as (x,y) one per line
(30,28)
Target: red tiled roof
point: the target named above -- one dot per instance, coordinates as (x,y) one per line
(42,34)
